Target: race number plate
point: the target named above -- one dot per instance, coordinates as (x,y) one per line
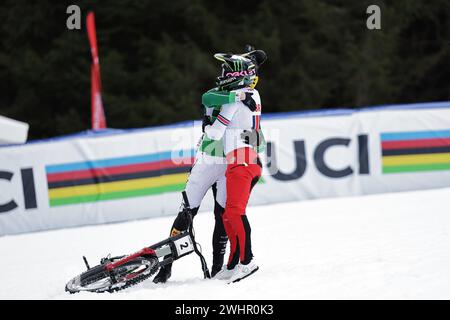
(183,246)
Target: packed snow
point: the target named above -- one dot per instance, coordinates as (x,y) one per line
(388,246)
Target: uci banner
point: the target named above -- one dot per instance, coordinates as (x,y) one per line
(119,175)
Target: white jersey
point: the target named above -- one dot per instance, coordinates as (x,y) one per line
(233,120)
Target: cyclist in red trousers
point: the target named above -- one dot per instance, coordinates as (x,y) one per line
(239,125)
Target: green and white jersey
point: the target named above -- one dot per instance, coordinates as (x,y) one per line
(213,100)
(216,97)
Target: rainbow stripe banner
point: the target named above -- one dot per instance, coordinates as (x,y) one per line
(118,178)
(415,151)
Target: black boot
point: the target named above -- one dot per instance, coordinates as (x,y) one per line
(164,274)
(180,224)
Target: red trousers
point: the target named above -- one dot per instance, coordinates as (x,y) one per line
(240,180)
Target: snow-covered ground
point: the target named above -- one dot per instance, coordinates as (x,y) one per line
(390,246)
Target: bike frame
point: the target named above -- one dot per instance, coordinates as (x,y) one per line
(170,249)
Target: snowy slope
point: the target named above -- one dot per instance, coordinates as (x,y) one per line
(391,246)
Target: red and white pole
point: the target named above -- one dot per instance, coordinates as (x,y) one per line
(97,113)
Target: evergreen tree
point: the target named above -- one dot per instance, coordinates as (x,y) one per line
(156,57)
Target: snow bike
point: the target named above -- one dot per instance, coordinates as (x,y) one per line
(117,273)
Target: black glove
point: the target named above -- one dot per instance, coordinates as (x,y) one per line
(206,122)
(249,101)
(250,137)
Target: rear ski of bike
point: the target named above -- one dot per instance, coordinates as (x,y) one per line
(117,273)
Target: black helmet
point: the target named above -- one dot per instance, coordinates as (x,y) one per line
(257,56)
(237,71)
